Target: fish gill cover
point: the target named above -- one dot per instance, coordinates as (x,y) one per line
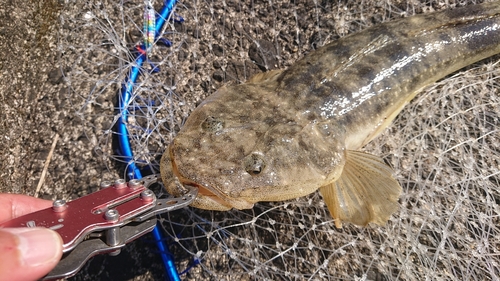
(444,146)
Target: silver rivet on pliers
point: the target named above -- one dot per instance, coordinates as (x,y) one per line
(147,195)
(111,215)
(113,234)
(134,183)
(120,183)
(59,205)
(105,184)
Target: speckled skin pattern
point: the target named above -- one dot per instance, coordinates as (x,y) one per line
(284,134)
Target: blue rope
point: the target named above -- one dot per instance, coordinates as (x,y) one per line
(133,171)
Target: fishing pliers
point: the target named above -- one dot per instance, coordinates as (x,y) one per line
(104,221)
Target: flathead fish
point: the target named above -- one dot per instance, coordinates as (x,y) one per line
(287,133)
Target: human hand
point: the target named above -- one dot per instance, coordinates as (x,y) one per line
(26,253)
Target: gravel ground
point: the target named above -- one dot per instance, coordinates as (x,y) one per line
(37,113)
(35,108)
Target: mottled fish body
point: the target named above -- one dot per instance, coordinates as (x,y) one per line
(285,134)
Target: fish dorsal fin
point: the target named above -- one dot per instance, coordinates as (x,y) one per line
(264,76)
(365,192)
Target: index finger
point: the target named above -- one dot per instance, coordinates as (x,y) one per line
(16,205)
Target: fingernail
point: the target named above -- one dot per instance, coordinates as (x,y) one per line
(37,246)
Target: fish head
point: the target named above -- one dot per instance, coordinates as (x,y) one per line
(240,147)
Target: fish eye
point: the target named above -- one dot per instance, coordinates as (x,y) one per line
(254,164)
(212,124)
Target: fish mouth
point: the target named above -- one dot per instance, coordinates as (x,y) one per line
(209,198)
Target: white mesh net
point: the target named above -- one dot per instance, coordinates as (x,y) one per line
(444,146)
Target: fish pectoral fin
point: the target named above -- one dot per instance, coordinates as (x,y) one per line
(365,192)
(264,76)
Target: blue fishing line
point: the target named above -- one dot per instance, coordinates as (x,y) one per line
(133,172)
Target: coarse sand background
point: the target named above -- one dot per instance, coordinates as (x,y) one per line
(38,107)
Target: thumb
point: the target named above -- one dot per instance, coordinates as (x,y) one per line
(28,253)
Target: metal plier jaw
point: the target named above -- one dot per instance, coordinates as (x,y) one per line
(102,222)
